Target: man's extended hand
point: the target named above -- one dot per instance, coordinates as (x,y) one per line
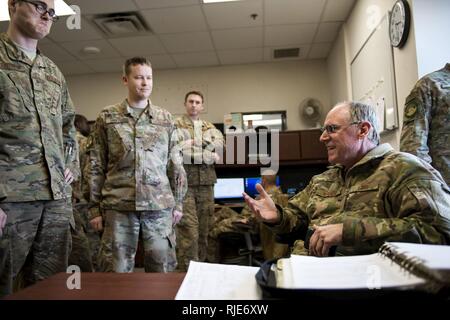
(2,221)
(176,216)
(324,238)
(263,208)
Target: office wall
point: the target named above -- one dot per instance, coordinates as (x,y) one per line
(432,39)
(253,87)
(338,71)
(365,16)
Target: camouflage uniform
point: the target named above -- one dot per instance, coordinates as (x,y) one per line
(426,121)
(227,223)
(192,230)
(85,240)
(36,127)
(271,248)
(386,196)
(129,181)
(221,220)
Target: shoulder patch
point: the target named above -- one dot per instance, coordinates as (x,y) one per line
(410,110)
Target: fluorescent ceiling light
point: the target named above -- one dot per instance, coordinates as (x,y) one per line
(267,122)
(61,9)
(214,1)
(252,117)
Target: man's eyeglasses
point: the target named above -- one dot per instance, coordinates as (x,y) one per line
(333,128)
(42,8)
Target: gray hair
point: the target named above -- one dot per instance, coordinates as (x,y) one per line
(359,112)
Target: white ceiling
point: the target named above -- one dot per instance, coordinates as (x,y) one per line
(188,33)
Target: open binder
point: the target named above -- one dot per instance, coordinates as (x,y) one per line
(396,267)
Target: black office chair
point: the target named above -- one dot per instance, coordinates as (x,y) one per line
(241,248)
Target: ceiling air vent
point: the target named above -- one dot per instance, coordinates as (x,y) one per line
(286,53)
(120,24)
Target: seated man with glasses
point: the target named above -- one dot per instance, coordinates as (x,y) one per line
(370,194)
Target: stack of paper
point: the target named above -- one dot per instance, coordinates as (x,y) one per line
(209,281)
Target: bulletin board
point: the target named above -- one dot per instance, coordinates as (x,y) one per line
(373,78)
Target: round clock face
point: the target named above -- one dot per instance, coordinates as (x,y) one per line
(399,23)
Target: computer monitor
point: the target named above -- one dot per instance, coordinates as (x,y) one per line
(229,188)
(250,185)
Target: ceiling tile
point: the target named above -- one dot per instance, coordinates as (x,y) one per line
(319,50)
(187,42)
(195,59)
(106,50)
(172,20)
(60,32)
(133,46)
(74,67)
(337,10)
(45,40)
(234,14)
(327,32)
(285,35)
(187,32)
(106,65)
(104,6)
(304,49)
(293,11)
(238,38)
(252,55)
(55,52)
(162,61)
(146,4)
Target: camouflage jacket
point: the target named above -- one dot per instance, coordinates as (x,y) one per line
(224,221)
(426,121)
(199,157)
(130,161)
(77,194)
(387,195)
(36,127)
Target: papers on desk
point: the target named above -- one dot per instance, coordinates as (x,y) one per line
(396,265)
(352,272)
(210,281)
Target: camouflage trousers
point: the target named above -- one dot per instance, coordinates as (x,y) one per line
(271,248)
(85,240)
(222,213)
(225,221)
(36,242)
(155,229)
(81,253)
(192,230)
(104,257)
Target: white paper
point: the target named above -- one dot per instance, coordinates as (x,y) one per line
(435,257)
(210,281)
(354,272)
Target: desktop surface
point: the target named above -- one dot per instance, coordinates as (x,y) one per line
(105,286)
